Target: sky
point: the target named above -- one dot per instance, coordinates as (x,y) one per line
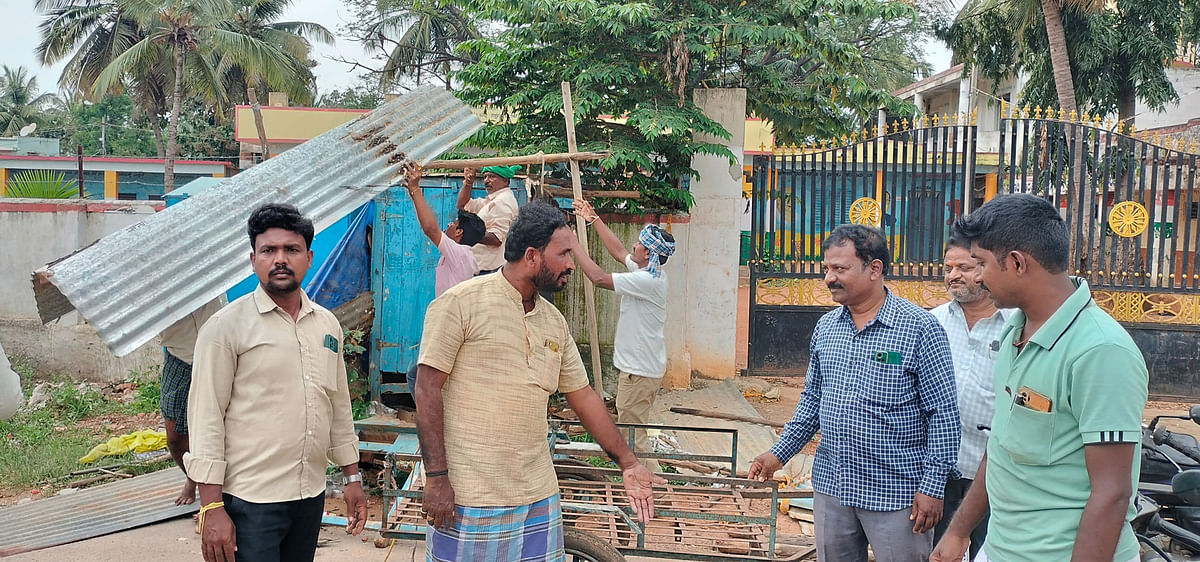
(16,49)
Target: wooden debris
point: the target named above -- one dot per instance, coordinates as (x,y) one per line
(724,416)
(515,160)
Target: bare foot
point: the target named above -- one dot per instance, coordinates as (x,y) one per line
(188,494)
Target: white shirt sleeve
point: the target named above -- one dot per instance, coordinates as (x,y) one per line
(11,396)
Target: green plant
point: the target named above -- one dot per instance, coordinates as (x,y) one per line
(42,184)
(352,350)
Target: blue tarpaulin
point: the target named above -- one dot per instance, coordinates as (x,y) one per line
(346,273)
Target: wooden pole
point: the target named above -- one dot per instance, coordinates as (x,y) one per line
(510,160)
(589,290)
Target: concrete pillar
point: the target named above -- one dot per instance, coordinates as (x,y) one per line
(919,101)
(110,184)
(711,270)
(881,120)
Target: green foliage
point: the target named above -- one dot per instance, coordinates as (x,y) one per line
(360,393)
(355,97)
(415,39)
(807,66)
(126,129)
(42,446)
(21,103)
(42,184)
(1116,55)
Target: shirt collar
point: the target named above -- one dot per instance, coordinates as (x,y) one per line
(498,193)
(512,293)
(1004,313)
(1057,324)
(886,315)
(265,304)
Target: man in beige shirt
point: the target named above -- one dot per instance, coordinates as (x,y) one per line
(498,211)
(492,353)
(179,342)
(269,408)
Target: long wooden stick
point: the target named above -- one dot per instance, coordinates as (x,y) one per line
(589,291)
(724,416)
(571,156)
(592,194)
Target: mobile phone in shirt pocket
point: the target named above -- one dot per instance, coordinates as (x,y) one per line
(1029,435)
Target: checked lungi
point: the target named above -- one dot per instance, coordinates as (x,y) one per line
(174,384)
(522,533)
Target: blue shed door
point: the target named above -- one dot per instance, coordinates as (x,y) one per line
(403,265)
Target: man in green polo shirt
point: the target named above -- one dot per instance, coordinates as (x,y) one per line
(1062,460)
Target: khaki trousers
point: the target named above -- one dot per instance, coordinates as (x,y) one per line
(635,401)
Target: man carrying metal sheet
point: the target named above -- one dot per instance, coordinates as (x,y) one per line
(498,211)
(640,348)
(492,353)
(457,262)
(269,408)
(179,344)
(880,387)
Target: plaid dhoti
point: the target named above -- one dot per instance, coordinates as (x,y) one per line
(531,532)
(174,383)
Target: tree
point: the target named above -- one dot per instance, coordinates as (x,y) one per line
(1118,55)
(641,61)
(415,38)
(81,123)
(360,96)
(21,103)
(256,19)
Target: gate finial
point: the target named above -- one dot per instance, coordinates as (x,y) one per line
(1074,116)
(975,116)
(1083,120)
(1120,127)
(1037,112)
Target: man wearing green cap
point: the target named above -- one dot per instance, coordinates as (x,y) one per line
(498,211)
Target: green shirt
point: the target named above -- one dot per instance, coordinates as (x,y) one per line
(1037,480)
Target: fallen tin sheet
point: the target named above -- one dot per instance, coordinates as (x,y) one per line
(133,283)
(724,397)
(92,512)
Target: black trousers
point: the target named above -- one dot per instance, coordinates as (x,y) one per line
(956,490)
(276,532)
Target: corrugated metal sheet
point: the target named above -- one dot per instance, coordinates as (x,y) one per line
(132,284)
(93,512)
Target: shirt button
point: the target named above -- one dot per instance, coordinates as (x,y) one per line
(310,432)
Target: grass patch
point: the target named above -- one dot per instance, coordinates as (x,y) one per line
(43,446)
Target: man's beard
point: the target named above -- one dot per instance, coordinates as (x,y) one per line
(546,280)
(963,293)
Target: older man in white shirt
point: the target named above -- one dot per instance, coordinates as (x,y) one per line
(974,327)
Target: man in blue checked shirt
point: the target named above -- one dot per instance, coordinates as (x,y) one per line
(880,388)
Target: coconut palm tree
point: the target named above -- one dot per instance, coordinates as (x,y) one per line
(417,36)
(256,18)
(20,101)
(1023,14)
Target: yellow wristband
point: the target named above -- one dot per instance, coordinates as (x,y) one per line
(204,510)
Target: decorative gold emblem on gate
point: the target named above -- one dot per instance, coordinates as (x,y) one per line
(865,210)
(1128,219)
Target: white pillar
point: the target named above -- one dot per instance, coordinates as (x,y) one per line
(881,120)
(709,310)
(919,101)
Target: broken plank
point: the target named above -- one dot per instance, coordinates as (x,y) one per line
(724,416)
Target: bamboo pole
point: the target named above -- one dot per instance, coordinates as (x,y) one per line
(539,158)
(589,290)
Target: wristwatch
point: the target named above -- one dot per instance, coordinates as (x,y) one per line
(352,478)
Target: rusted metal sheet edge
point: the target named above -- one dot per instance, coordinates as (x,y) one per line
(133,283)
(92,512)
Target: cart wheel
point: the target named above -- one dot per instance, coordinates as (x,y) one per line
(582,545)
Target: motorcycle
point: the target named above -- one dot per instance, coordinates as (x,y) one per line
(1168,499)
